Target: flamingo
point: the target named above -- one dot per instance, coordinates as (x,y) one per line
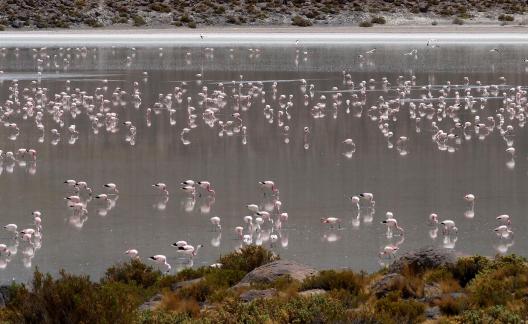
(389,251)
(503,231)
(331,220)
(505,219)
(449,226)
(162,187)
(132,253)
(216,222)
(189,250)
(207,186)
(13,228)
(433,219)
(112,187)
(161,259)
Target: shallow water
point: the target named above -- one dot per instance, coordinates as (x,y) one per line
(313,182)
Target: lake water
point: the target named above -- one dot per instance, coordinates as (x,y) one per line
(314,173)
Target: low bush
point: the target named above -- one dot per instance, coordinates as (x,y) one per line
(331,279)
(365,24)
(133,272)
(301,21)
(72,299)
(458,21)
(138,21)
(378,20)
(393,309)
(504,17)
(247,258)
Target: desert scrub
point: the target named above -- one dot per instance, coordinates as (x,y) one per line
(378,20)
(160,7)
(458,21)
(494,314)
(160,317)
(393,308)
(467,268)
(133,272)
(503,280)
(247,258)
(504,17)
(331,279)
(365,24)
(216,281)
(72,299)
(301,21)
(317,309)
(138,21)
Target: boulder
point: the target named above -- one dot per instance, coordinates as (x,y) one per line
(251,295)
(4,296)
(387,283)
(432,291)
(432,312)
(152,303)
(423,259)
(187,283)
(270,272)
(312,292)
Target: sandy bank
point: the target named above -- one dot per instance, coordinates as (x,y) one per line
(488,34)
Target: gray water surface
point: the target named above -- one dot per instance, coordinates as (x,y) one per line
(313,182)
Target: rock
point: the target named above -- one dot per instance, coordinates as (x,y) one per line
(457,295)
(270,272)
(4,296)
(251,295)
(423,259)
(17,23)
(423,7)
(388,283)
(432,291)
(187,283)
(312,292)
(432,312)
(152,304)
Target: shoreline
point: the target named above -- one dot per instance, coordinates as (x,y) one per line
(280,35)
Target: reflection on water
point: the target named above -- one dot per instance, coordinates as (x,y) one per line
(350,136)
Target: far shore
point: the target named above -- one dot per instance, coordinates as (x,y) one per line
(394,29)
(281,35)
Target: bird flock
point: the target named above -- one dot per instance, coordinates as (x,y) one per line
(448,115)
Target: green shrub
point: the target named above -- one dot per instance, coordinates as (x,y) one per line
(247,258)
(150,317)
(317,309)
(495,314)
(233,20)
(185,18)
(72,299)
(215,281)
(365,24)
(451,306)
(378,20)
(160,7)
(458,21)
(138,21)
(504,17)
(394,309)
(133,272)
(331,279)
(467,268)
(301,21)
(503,280)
